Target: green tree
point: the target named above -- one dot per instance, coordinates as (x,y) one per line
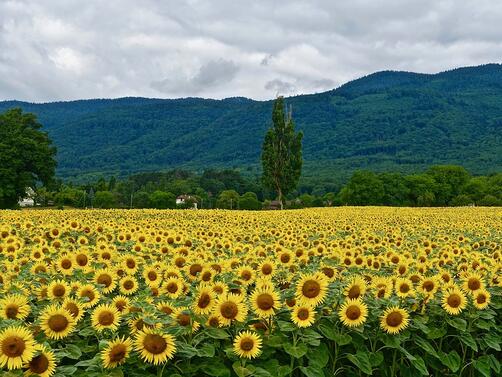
(282,153)
(141,199)
(26,156)
(104,199)
(162,200)
(449,181)
(228,199)
(363,188)
(250,201)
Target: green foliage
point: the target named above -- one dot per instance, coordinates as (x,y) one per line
(104,199)
(162,200)
(388,121)
(228,199)
(281,153)
(26,156)
(364,188)
(249,201)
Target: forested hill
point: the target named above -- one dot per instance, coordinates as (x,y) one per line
(385,121)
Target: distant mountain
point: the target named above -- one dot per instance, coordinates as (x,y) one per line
(384,121)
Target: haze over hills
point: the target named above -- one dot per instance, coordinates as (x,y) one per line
(398,121)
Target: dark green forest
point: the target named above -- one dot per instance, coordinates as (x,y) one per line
(439,185)
(388,121)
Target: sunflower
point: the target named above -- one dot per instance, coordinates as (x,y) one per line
(43,364)
(182,317)
(303,315)
(116,352)
(165,307)
(130,264)
(394,319)
(204,301)
(353,312)
(404,287)
(265,301)
(105,277)
(89,295)
(154,347)
(247,344)
(355,288)
(14,306)
(454,301)
(74,307)
(58,289)
(230,308)
(105,317)
(128,285)
(56,322)
(173,287)
(121,303)
(311,289)
(472,282)
(17,347)
(65,265)
(481,298)
(428,285)
(152,277)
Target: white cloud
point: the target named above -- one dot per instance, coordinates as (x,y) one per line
(57,50)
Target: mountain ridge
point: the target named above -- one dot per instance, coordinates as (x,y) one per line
(388,120)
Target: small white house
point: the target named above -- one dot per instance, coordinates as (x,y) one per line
(29,199)
(182,199)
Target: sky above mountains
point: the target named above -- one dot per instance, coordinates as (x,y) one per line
(61,50)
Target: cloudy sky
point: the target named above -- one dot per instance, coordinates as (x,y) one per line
(70,49)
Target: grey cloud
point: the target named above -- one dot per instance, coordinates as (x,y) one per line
(61,50)
(279,86)
(213,73)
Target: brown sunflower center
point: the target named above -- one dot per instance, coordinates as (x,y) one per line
(354,291)
(303,314)
(128,284)
(154,343)
(105,280)
(394,319)
(474,284)
(66,264)
(247,344)
(11,311)
(39,364)
(195,269)
(428,286)
(82,259)
(285,258)
(481,299)
(229,310)
(58,322)
(59,290)
(265,301)
(117,353)
(214,322)
(13,346)
(454,300)
(106,318)
(152,275)
(183,319)
(353,312)
(311,288)
(328,272)
(89,294)
(266,269)
(172,287)
(131,263)
(246,275)
(204,301)
(404,288)
(72,308)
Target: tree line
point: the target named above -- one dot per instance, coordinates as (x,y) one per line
(440,185)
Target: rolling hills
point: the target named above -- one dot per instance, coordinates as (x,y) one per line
(388,120)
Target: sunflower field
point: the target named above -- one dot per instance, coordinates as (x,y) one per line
(316,292)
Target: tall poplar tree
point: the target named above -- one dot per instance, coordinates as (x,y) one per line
(282,153)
